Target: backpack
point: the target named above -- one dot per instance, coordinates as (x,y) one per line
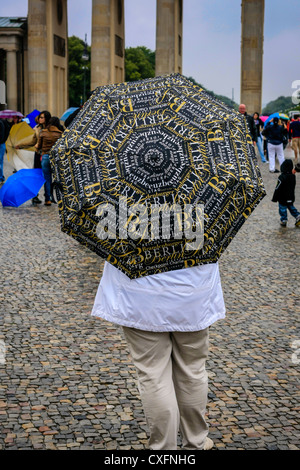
(4,131)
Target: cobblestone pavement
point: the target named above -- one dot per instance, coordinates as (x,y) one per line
(67,381)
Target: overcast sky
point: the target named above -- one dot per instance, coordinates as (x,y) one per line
(211,39)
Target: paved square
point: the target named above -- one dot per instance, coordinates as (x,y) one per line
(67,381)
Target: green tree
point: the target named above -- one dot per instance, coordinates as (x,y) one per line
(139,63)
(280,105)
(79,71)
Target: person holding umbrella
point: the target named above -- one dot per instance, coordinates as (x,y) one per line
(274,134)
(191,153)
(15,120)
(42,122)
(166,319)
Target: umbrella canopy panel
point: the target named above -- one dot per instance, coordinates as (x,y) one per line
(149,147)
(67,113)
(31,118)
(10,113)
(20,158)
(281,116)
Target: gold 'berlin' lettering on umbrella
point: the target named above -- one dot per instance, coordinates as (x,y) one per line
(215,135)
(203,138)
(92,189)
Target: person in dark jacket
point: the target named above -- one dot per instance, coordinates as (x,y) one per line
(274,134)
(4,131)
(259,126)
(284,193)
(250,122)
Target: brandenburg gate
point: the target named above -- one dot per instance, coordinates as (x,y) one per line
(34,53)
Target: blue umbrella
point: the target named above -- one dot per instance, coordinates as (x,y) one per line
(278,115)
(21,186)
(30,118)
(67,113)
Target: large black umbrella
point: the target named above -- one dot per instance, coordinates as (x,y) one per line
(156,175)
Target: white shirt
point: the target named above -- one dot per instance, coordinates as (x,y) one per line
(188,299)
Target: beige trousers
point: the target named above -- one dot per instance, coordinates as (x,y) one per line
(173,385)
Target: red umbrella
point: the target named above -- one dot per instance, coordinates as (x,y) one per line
(9,113)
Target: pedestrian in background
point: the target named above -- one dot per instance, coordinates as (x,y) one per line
(284,193)
(259,126)
(250,122)
(42,121)
(294,136)
(15,120)
(47,139)
(274,134)
(4,132)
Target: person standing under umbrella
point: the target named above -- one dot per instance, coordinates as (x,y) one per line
(166,314)
(166,319)
(42,121)
(15,120)
(47,139)
(274,134)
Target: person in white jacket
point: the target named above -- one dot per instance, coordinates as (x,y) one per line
(165,319)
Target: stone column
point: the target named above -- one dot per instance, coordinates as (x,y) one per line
(252,54)
(12,80)
(168,36)
(3,100)
(107,48)
(37,55)
(57,56)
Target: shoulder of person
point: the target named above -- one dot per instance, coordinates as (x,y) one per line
(54,129)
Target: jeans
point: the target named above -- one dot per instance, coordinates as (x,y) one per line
(283,211)
(47,175)
(260,148)
(2,152)
(37,160)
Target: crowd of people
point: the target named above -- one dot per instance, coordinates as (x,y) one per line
(168,349)
(47,131)
(270,141)
(276,134)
